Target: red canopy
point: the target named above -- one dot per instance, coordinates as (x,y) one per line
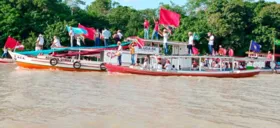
(168,17)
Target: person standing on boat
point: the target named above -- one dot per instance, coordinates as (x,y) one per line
(146,29)
(5,52)
(155,32)
(119,53)
(39,42)
(120,34)
(71,34)
(210,43)
(56,43)
(165,35)
(190,43)
(132,53)
(79,39)
(106,34)
(116,37)
(97,37)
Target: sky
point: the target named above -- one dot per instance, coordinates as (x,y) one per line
(144,4)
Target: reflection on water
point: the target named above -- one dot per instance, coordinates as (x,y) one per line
(57,99)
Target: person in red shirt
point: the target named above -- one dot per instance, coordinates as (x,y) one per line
(156,29)
(146,29)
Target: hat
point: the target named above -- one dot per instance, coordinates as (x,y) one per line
(40,35)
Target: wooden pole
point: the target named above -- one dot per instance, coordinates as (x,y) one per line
(273,59)
(249,49)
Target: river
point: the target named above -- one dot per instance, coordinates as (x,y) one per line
(59,99)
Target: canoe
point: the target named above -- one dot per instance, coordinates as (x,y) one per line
(5,60)
(220,74)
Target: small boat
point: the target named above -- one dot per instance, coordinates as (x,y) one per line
(66,59)
(186,66)
(6,60)
(55,63)
(223,74)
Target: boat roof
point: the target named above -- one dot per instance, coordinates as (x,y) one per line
(35,53)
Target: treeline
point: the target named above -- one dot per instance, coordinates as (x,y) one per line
(233,22)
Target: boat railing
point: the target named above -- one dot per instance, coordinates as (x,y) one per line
(222,63)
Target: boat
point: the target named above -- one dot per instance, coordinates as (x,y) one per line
(224,74)
(184,66)
(6,60)
(66,59)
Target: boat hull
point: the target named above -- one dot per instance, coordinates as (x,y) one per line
(220,74)
(43,63)
(7,61)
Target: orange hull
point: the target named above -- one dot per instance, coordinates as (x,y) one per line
(36,66)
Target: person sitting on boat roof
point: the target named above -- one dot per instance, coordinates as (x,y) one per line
(56,43)
(165,36)
(167,65)
(39,43)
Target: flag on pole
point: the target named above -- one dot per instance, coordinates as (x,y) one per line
(77,31)
(255,47)
(90,32)
(19,46)
(168,17)
(13,43)
(196,37)
(276,41)
(139,42)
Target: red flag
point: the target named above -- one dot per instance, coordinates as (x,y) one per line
(168,17)
(19,46)
(139,42)
(90,32)
(11,43)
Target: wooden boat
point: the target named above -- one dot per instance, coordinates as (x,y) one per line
(220,74)
(67,59)
(6,60)
(48,62)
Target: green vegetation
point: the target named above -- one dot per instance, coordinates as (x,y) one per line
(233,22)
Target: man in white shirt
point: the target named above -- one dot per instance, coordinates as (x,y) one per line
(190,43)
(120,34)
(119,54)
(210,43)
(71,34)
(56,43)
(39,42)
(106,34)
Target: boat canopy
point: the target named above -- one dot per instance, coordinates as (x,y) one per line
(95,49)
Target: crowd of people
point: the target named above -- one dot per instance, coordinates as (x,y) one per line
(99,37)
